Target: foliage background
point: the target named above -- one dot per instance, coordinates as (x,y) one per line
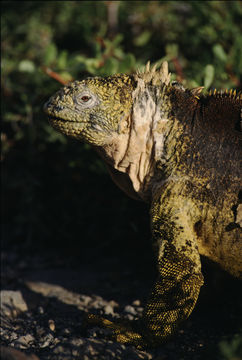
(57,194)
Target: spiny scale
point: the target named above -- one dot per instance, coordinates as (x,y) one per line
(162,76)
(153,76)
(233,94)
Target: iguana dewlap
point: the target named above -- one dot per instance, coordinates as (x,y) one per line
(180,152)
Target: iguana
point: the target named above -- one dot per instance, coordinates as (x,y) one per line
(179,151)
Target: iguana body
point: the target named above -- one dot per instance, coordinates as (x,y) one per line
(179,152)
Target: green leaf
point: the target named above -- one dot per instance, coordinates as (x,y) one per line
(26,66)
(62,60)
(117,40)
(208,75)
(143,38)
(219,52)
(91,65)
(127,64)
(50,54)
(172,51)
(110,67)
(66,75)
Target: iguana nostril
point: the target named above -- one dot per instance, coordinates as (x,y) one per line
(59,107)
(48,105)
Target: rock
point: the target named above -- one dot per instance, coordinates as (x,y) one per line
(130,309)
(12,302)
(108,310)
(13,336)
(41,310)
(24,341)
(136,303)
(113,303)
(85,299)
(51,325)
(47,341)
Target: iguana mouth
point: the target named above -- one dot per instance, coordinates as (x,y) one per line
(68,127)
(52,119)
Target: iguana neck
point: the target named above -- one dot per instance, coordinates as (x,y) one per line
(133,152)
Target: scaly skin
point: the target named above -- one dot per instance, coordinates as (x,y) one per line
(179,152)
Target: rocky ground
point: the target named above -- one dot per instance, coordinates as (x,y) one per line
(45,296)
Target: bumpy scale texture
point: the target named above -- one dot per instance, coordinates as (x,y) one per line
(180,152)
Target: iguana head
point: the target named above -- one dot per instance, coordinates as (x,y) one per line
(92,109)
(123,116)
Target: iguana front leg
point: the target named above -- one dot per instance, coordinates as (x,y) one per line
(179,268)
(173,297)
(177,286)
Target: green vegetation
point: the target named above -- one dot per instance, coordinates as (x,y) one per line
(201,40)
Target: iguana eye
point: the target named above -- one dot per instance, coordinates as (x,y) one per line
(82,98)
(85,100)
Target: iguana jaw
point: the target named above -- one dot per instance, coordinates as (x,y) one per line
(70,128)
(81,131)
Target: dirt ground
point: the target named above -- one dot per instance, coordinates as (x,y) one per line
(45,295)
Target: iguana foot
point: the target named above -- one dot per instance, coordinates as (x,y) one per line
(124,331)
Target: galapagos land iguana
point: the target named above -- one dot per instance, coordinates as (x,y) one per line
(179,151)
